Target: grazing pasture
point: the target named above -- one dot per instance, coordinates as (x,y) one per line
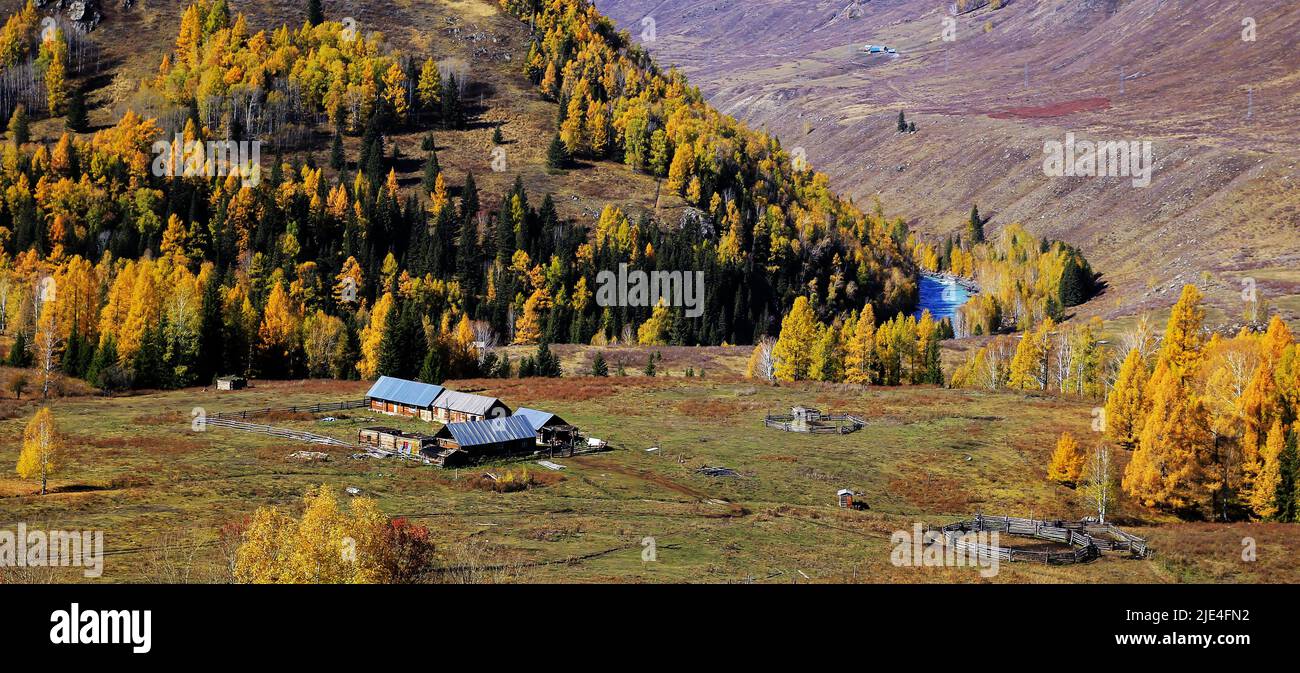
(162,492)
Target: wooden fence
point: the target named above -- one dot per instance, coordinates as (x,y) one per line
(843,423)
(278,432)
(310,409)
(1088,539)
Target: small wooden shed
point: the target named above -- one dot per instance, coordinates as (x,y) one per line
(397,441)
(231,383)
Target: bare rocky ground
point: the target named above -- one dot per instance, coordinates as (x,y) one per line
(1222,113)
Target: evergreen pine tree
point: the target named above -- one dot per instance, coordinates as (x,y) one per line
(19,354)
(314,14)
(557,155)
(453,115)
(208,364)
(434,368)
(429,176)
(19,126)
(338,159)
(76,117)
(598,366)
(975,226)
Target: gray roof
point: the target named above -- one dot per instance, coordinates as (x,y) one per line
(491,431)
(465,403)
(538,418)
(410,393)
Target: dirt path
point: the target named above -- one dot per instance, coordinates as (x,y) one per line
(644,475)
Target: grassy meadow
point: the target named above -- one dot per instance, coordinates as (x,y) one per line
(161,491)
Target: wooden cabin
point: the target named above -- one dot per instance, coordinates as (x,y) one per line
(551,429)
(397,441)
(476,441)
(456,407)
(399,397)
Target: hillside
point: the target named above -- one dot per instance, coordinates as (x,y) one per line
(1223,199)
(472,36)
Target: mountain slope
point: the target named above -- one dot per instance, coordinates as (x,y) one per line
(1223,198)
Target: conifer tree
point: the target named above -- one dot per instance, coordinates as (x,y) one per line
(1126,405)
(860,350)
(794,346)
(975,226)
(1168,469)
(1267,483)
(1183,340)
(76,119)
(19,126)
(598,366)
(557,156)
(1067,462)
(314,14)
(827,362)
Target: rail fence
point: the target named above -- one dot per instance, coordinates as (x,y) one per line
(309,409)
(1088,539)
(829,423)
(278,432)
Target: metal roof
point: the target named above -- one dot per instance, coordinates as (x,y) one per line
(491,431)
(537,417)
(465,403)
(410,393)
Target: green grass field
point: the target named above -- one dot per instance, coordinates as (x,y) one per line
(160,491)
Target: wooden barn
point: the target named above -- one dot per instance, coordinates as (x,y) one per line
(398,441)
(476,441)
(551,429)
(456,407)
(399,397)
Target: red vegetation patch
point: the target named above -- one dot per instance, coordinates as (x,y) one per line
(510,481)
(715,408)
(568,389)
(1054,110)
(932,493)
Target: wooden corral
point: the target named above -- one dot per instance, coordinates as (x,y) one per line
(1088,539)
(807,419)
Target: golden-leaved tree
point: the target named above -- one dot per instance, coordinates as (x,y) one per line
(1263,493)
(42,452)
(1169,467)
(1067,462)
(860,347)
(1126,406)
(794,348)
(328,545)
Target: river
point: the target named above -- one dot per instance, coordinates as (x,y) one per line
(941,296)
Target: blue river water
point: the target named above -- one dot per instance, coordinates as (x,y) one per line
(942,296)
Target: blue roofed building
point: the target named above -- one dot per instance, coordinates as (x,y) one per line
(399,397)
(457,407)
(476,441)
